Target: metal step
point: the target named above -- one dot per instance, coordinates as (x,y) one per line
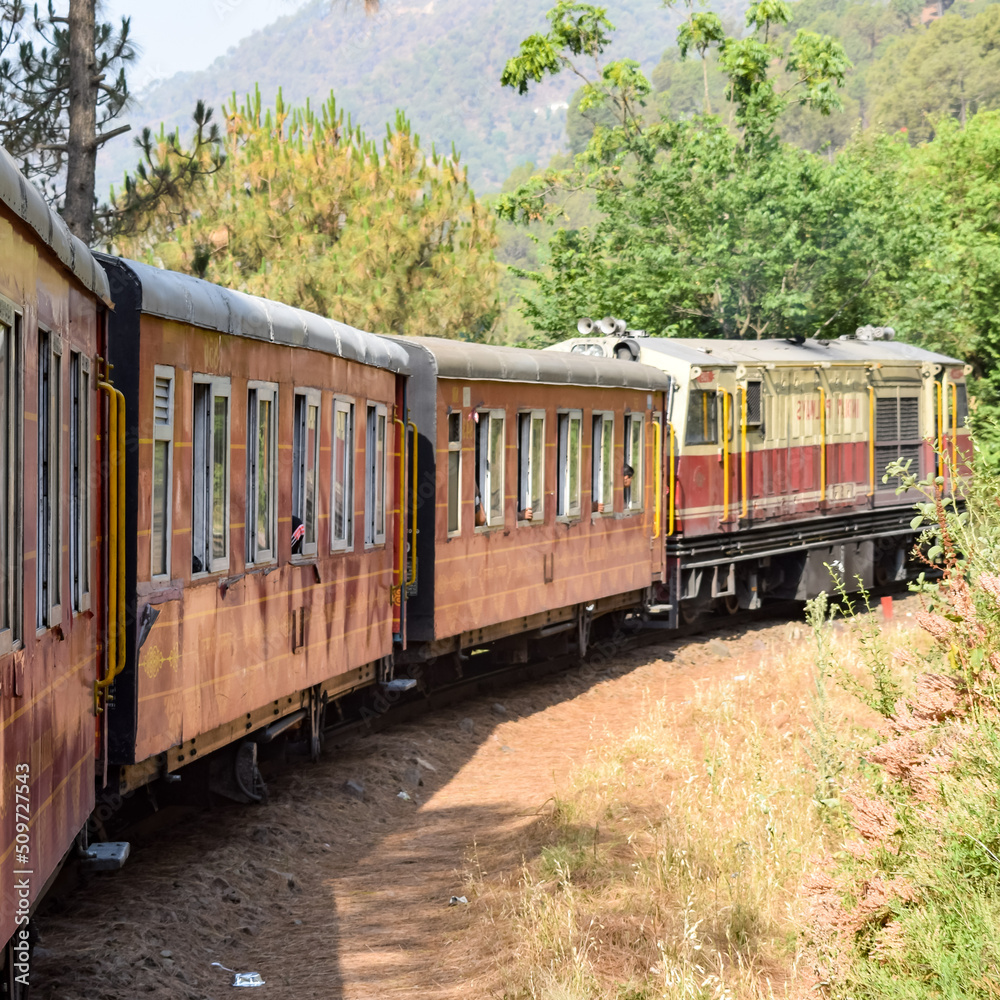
(106,857)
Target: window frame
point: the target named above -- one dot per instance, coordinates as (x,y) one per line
(262,392)
(311,399)
(454,497)
(528,463)
(375,533)
(161,433)
(48,565)
(343,404)
(484,466)
(758,423)
(636,496)
(219,387)
(12,376)
(709,417)
(602,467)
(81,498)
(568,508)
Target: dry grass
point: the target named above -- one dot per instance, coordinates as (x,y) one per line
(671,865)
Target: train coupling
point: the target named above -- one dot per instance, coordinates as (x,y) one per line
(104,857)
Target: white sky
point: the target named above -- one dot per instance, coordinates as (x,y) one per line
(176,35)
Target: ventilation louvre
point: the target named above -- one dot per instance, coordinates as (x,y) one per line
(161,402)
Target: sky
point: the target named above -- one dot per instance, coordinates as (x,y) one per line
(177,35)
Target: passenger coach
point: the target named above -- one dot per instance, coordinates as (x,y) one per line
(525,525)
(260,524)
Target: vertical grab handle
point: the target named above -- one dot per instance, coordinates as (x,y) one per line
(413,505)
(116,540)
(954,431)
(743,454)
(672,509)
(940,433)
(871,440)
(725,454)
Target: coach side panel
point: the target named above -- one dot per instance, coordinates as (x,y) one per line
(306,433)
(48,548)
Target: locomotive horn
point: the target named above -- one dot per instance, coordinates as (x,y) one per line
(585,325)
(608,325)
(620,326)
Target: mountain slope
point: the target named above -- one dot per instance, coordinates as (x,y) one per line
(439,61)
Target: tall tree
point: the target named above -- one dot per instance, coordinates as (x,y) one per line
(307,209)
(62,85)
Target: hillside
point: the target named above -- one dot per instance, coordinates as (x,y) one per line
(439,61)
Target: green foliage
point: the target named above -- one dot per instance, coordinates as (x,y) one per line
(307,209)
(910,907)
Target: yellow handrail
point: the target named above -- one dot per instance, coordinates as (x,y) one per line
(743,453)
(401,430)
(413,504)
(657,476)
(871,440)
(822,445)
(116,540)
(954,429)
(673,483)
(940,434)
(725,454)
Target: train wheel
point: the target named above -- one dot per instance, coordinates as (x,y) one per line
(691,612)
(731,603)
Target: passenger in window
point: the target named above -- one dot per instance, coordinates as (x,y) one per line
(524,513)
(597,507)
(480,511)
(627,473)
(298,533)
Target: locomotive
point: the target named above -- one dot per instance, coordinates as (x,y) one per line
(229,518)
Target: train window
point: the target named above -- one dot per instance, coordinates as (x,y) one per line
(897,435)
(454,472)
(961,404)
(261,515)
(603,463)
(569,447)
(48,545)
(754,400)
(210,480)
(531,465)
(343,475)
(79,498)
(635,447)
(702,418)
(305,465)
(163,470)
(490,454)
(375,478)
(11,400)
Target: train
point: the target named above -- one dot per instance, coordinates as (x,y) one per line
(226,521)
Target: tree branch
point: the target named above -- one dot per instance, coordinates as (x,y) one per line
(101,139)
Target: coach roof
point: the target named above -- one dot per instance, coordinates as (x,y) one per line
(490,363)
(186,299)
(782,352)
(24,199)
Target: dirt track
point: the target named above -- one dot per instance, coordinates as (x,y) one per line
(331,897)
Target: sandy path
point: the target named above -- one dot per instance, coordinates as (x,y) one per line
(332,897)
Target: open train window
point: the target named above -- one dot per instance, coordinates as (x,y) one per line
(163,470)
(961,404)
(569,451)
(342,528)
(635,450)
(702,417)
(11,466)
(261,520)
(602,452)
(531,466)
(210,478)
(79,471)
(897,435)
(454,472)
(490,453)
(375,478)
(305,463)
(48,545)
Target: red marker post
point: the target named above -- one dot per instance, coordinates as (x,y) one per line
(886,608)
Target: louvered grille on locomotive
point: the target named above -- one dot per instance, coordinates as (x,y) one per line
(754,414)
(161,401)
(897,436)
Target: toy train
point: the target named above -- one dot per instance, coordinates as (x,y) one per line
(223,518)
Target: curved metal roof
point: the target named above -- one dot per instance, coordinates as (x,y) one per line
(487,362)
(186,299)
(24,199)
